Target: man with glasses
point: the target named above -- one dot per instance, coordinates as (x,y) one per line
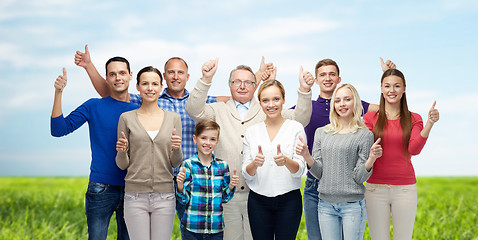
(234,117)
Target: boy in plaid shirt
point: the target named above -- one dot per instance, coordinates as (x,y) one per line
(204,183)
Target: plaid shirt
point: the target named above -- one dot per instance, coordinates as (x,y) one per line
(177,105)
(205,189)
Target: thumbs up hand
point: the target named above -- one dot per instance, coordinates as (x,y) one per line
(234,180)
(376,150)
(180,179)
(83,59)
(175,140)
(433,114)
(60,82)
(387,65)
(280,159)
(306,80)
(259,159)
(302,148)
(122,143)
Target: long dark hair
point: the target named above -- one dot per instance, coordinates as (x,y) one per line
(405,115)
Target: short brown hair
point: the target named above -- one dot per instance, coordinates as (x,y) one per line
(326,62)
(206,124)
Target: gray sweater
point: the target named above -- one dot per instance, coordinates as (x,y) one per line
(340,164)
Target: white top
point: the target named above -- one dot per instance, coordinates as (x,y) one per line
(152,134)
(272,180)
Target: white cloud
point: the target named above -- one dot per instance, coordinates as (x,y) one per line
(279,29)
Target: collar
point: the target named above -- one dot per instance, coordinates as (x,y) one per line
(247,104)
(165,94)
(195,158)
(322,100)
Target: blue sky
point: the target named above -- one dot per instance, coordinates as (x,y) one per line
(433,42)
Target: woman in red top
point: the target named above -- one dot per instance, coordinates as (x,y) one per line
(392,186)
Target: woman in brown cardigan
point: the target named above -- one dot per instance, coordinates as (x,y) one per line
(149,147)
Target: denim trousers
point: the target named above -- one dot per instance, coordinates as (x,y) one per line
(101,201)
(149,215)
(275,217)
(188,235)
(311,202)
(347,217)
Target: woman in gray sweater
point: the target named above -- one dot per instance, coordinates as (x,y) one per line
(342,158)
(149,147)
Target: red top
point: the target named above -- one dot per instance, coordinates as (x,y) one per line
(395,167)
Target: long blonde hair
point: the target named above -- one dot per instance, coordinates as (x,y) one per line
(356,123)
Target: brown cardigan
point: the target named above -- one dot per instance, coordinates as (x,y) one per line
(149,162)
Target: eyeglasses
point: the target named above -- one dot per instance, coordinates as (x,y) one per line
(239,83)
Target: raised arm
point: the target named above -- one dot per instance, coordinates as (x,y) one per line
(196,106)
(303,109)
(84,60)
(60,84)
(59,125)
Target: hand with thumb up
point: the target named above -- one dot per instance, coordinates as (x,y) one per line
(180,179)
(259,159)
(280,159)
(375,152)
(122,143)
(234,180)
(175,140)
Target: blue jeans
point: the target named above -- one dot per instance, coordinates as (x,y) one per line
(188,235)
(347,217)
(101,201)
(311,201)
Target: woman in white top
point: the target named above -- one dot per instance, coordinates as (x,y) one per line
(272,169)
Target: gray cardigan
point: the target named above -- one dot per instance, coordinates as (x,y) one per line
(229,147)
(149,163)
(340,164)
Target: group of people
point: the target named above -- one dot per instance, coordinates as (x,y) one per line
(232,167)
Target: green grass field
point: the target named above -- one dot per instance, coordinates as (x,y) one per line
(53,208)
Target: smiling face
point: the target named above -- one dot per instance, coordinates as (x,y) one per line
(242,93)
(344,103)
(206,141)
(392,89)
(327,78)
(149,86)
(176,76)
(118,76)
(271,100)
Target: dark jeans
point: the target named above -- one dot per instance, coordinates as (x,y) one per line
(275,217)
(188,235)
(100,202)
(180,208)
